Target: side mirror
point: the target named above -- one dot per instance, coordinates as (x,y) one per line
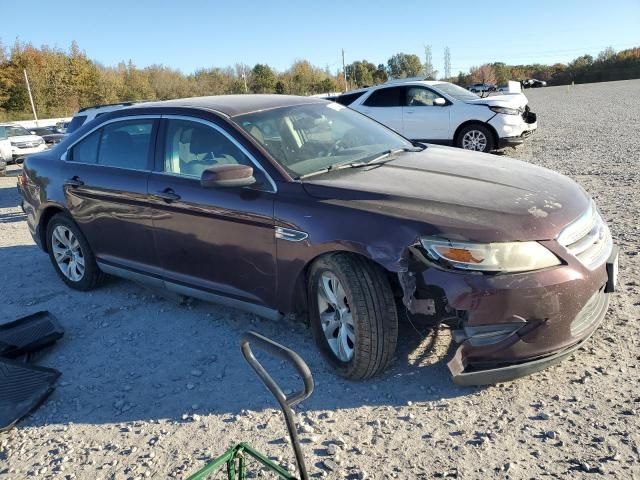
(227,176)
(440,102)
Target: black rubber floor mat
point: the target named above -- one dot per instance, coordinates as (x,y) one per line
(22,389)
(28,334)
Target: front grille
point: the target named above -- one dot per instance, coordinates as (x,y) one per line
(593,311)
(27,144)
(588,239)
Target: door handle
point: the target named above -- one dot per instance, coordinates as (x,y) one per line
(168,195)
(74,182)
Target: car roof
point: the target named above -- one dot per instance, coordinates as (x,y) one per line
(233,105)
(396,83)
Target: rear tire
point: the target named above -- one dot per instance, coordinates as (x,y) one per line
(475,137)
(363,314)
(71,254)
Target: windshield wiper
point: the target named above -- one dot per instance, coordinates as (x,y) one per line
(387,155)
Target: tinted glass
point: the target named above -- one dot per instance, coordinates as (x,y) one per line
(3,133)
(191,147)
(420,97)
(86,151)
(386,97)
(308,138)
(75,123)
(348,98)
(126,144)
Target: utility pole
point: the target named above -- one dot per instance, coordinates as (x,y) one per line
(33,107)
(428,63)
(344,72)
(447,63)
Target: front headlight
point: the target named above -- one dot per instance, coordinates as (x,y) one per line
(490,257)
(505,110)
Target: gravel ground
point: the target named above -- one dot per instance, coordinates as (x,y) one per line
(154,389)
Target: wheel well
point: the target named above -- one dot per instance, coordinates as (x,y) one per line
(476,122)
(300,298)
(48,213)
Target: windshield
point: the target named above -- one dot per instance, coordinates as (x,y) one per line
(455,91)
(310,138)
(16,131)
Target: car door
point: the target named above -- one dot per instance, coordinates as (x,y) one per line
(385,106)
(423,117)
(215,240)
(106,190)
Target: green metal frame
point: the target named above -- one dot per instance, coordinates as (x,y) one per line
(235,461)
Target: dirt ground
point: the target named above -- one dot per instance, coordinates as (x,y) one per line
(153,389)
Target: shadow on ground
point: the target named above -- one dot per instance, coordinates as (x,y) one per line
(129,354)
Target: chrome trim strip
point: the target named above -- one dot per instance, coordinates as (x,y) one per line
(230,138)
(290,234)
(259,310)
(156,282)
(113,120)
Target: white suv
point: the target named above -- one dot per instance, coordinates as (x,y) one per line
(21,142)
(87,114)
(444,113)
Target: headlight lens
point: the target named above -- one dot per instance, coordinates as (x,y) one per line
(505,110)
(491,257)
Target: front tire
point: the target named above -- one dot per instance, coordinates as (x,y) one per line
(475,137)
(353,315)
(71,254)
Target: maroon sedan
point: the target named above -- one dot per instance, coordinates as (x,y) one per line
(279,204)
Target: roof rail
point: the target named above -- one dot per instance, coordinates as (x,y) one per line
(408,79)
(124,104)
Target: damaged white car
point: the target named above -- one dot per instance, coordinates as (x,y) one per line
(446,114)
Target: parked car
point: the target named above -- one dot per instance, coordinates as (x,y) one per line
(482,87)
(444,113)
(533,83)
(22,141)
(5,151)
(85,115)
(50,135)
(280,204)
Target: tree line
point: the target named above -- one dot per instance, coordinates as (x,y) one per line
(62,81)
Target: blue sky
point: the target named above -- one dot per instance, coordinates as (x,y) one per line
(189,34)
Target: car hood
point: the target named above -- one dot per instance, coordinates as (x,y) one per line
(459,194)
(509,100)
(25,138)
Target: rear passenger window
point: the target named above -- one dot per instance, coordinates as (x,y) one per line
(386,97)
(348,98)
(75,123)
(126,144)
(86,150)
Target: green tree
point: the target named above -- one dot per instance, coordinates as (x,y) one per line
(403,65)
(263,80)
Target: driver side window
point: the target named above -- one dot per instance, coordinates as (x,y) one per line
(420,97)
(192,147)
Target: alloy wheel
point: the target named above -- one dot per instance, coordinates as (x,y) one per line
(335,317)
(67,253)
(474,140)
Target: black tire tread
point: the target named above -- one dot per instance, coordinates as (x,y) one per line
(477,126)
(375,314)
(93,275)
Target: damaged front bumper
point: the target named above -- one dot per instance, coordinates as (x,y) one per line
(465,373)
(511,325)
